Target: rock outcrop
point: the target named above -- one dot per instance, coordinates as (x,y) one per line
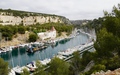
(109,72)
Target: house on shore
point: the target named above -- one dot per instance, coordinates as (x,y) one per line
(51,34)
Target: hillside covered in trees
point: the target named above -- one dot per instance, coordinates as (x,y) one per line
(10,31)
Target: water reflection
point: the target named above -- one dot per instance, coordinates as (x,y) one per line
(64,41)
(54,44)
(15,52)
(30,54)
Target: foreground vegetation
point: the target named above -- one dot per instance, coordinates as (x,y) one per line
(107,45)
(3,67)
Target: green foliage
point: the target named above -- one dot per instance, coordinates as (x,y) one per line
(58,67)
(9,30)
(112,25)
(106,43)
(25,72)
(32,37)
(96,68)
(85,56)
(41,72)
(112,21)
(15,29)
(21,30)
(113,63)
(3,67)
(40,69)
(96,24)
(75,64)
(58,26)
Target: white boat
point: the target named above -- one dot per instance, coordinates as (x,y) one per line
(21,45)
(10,48)
(18,70)
(36,43)
(0,51)
(68,52)
(32,66)
(3,50)
(45,61)
(60,56)
(27,44)
(80,48)
(12,72)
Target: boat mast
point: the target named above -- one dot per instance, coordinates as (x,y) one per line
(11,59)
(18,56)
(0,38)
(7,43)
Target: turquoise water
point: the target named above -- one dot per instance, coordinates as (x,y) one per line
(21,57)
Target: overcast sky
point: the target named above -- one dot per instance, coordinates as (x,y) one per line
(72,9)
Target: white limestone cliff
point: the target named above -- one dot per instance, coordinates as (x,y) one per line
(16,20)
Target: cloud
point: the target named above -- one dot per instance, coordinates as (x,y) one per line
(72,9)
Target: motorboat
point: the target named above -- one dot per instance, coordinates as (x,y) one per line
(60,56)
(32,49)
(3,50)
(12,72)
(31,66)
(45,61)
(19,70)
(67,52)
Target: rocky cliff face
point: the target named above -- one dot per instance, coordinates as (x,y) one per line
(12,20)
(8,18)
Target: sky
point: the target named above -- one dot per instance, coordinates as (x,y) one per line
(71,9)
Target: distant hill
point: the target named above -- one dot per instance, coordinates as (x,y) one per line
(79,22)
(16,17)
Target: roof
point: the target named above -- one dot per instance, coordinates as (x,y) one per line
(53,29)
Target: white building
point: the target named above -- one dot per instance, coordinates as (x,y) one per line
(51,34)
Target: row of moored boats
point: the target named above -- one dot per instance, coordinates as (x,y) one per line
(62,55)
